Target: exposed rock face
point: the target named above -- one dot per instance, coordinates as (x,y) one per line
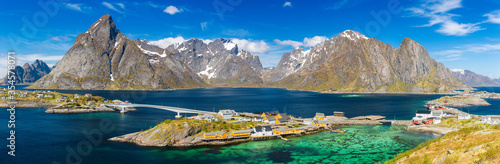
(218,60)
(104,58)
(352,62)
(28,74)
(473,79)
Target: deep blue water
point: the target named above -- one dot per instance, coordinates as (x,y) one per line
(42,138)
(493,109)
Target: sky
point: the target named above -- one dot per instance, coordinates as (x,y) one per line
(462,34)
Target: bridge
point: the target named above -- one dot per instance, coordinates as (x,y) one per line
(169,108)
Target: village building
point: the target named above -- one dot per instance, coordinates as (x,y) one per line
(319,116)
(301,129)
(339,114)
(283,131)
(227,113)
(262,131)
(437,114)
(64,97)
(39,95)
(49,96)
(308,121)
(269,119)
(281,120)
(88,95)
(257,119)
(207,117)
(90,103)
(76,96)
(321,123)
(423,113)
(241,133)
(58,100)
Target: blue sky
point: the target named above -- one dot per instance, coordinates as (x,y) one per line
(459,33)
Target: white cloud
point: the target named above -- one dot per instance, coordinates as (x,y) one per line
(288,42)
(164,43)
(60,38)
(493,17)
(121,5)
(455,54)
(307,42)
(110,6)
(172,10)
(203,26)
(236,32)
(437,12)
(77,7)
(454,28)
(252,46)
(287,4)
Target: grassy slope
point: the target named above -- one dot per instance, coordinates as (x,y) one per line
(472,144)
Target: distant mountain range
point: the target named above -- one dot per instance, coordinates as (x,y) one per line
(104,58)
(28,74)
(473,79)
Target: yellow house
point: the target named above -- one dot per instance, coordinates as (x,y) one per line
(310,127)
(283,131)
(209,135)
(278,116)
(300,129)
(221,134)
(319,116)
(241,133)
(321,123)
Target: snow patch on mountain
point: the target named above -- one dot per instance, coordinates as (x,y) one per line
(352,35)
(461,71)
(208,72)
(229,45)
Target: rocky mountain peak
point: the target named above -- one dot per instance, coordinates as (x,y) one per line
(103,30)
(352,35)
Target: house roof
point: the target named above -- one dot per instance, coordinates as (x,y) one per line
(284,129)
(243,131)
(285,116)
(302,128)
(423,112)
(282,120)
(263,128)
(227,111)
(271,118)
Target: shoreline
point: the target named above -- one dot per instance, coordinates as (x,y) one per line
(249,87)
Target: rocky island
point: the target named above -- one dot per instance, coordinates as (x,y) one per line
(58,102)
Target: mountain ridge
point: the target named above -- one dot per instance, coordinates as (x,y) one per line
(104,58)
(473,79)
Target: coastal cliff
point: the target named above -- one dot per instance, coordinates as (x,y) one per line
(178,133)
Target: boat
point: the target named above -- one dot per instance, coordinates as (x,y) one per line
(337,131)
(285,139)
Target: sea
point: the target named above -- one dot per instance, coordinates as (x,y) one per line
(81,138)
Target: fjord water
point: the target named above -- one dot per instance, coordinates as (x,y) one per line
(43,138)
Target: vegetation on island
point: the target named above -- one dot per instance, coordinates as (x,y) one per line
(474,143)
(55,98)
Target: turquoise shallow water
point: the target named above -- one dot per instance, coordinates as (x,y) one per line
(360,144)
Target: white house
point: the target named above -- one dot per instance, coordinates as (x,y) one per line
(464,116)
(257,119)
(247,119)
(437,114)
(207,117)
(423,113)
(77,96)
(39,95)
(262,131)
(308,121)
(227,113)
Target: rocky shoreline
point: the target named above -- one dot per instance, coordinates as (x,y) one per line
(459,101)
(84,110)
(29,105)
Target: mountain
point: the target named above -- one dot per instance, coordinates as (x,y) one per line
(473,79)
(352,62)
(104,58)
(28,74)
(497,80)
(219,61)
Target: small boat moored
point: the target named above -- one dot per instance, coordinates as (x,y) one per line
(337,131)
